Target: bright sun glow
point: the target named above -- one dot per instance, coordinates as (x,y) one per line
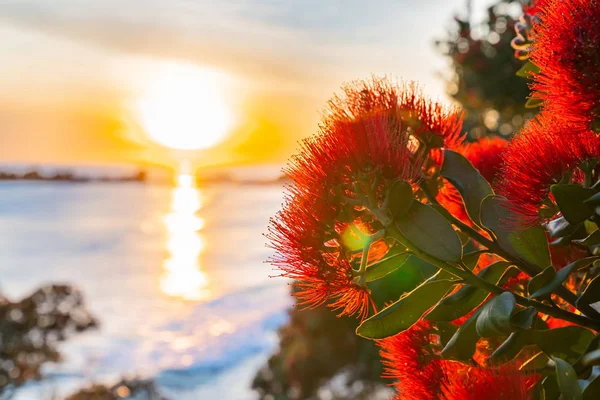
(184,108)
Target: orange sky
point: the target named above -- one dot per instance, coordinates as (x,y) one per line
(72,69)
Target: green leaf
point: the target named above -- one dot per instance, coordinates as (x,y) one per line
(402,314)
(471,259)
(464,342)
(571,202)
(400,198)
(468,181)
(446,331)
(467,297)
(541,280)
(550,388)
(592,240)
(426,229)
(527,69)
(524,319)
(567,380)
(529,245)
(591,294)
(533,103)
(510,348)
(532,245)
(594,200)
(592,391)
(386,266)
(568,342)
(560,277)
(494,319)
(534,363)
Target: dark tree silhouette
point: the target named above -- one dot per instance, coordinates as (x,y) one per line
(31,329)
(482,77)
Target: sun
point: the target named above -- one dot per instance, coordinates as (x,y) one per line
(183,107)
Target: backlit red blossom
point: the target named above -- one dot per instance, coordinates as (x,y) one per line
(411,360)
(489,383)
(429,122)
(536,7)
(544,151)
(485,155)
(364,152)
(567,51)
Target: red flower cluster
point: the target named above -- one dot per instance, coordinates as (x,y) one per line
(538,157)
(429,122)
(486,156)
(490,383)
(567,51)
(412,359)
(365,143)
(536,7)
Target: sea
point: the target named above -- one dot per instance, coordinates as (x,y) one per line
(175,274)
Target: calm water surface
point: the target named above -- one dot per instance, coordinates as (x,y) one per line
(175,276)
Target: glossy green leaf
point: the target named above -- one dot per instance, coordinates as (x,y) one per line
(533,103)
(561,276)
(535,363)
(592,240)
(472,187)
(426,229)
(592,390)
(594,200)
(591,294)
(529,245)
(571,202)
(471,259)
(541,280)
(402,314)
(567,380)
(400,198)
(446,330)
(386,266)
(510,348)
(532,245)
(468,297)
(550,389)
(464,342)
(524,319)
(527,69)
(567,343)
(494,319)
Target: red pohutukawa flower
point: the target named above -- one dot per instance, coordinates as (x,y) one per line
(539,156)
(412,361)
(567,51)
(485,155)
(535,7)
(365,144)
(429,122)
(490,383)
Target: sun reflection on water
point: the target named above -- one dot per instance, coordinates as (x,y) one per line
(182,273)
